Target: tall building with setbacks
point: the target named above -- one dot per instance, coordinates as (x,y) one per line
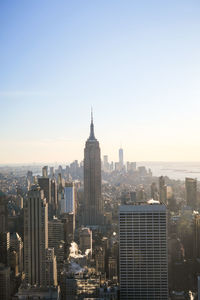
(35,237)
(93,206)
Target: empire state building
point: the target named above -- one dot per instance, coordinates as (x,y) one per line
(93,206)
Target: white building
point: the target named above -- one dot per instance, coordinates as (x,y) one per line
(143,251)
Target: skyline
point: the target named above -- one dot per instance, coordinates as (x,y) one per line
(137,64)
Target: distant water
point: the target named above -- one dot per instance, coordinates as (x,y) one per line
(174,170)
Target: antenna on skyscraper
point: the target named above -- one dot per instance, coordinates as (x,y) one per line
(91,115)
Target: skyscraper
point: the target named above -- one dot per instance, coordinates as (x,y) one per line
(85,237)
(54,195)
(143,251)
(45,171)
(3,212)
(55,234)
(121,157)
(130,166)
(4,248)
(69,227)
(45,185)
(52,173)
(68,202)
(162,190)
(4,282)
(106,165)
(17,245)
(191,192)
(35,237)
(51,267)
(154,191)
(93,206)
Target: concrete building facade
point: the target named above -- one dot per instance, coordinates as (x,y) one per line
(35,237)
(143,252)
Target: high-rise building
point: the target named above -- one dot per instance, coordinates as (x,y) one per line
(142,171)
(100,260)
(51,267)
(60,180)
(143,251)
(106,166)
(191,192)
(154,191)
(54,195)
(133,196)
(35,237)
(162,190)
(112,268)
(16,244)
(74,167)
(52,173)
(3,213)
(4,282)
(93,205)
(131,166)
(117,166)
(196,236)
(69,227)
(45,185)
(55,234)
(4,248)
(45,171)
(19,201)
(59,189)
(85,237)
(60,170)
(56,240)
(198,282)
(105,160)
(121,157)
(29,179)
(68,203)
(30,175)
(14,262)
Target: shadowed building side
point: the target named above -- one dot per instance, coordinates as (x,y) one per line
(191,192)
(35,237)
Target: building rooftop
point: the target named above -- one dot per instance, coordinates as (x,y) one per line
(150,205)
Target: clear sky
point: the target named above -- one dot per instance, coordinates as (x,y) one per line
(136,62)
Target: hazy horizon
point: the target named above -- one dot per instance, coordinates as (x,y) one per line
(173,170)
(65,163)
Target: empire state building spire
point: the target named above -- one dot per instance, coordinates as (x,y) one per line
(92,137)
